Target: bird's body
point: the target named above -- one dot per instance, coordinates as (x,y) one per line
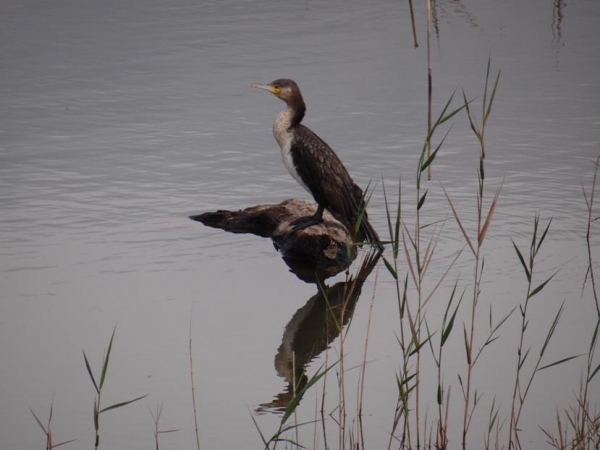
(315,166)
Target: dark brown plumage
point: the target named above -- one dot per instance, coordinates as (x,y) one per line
(315,165)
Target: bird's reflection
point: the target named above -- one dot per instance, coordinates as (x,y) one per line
(313,327)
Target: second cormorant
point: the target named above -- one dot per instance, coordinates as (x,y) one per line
(315,166)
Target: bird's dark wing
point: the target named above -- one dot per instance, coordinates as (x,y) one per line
(325,175)
(329,181)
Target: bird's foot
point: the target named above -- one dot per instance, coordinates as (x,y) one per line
(304,222)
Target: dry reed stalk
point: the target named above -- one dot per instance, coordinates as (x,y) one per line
(48,430)
(361,383)
(429,87)
(196,429)
(156,417)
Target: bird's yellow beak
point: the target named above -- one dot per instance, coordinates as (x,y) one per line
(276,90)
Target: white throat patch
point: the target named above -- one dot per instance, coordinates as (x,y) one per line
(284,139)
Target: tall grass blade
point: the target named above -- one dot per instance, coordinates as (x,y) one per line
(90,373)
(408,259)
(422,200)
(121,404)
(485,87)
(434,153)
(458,221)
(491,337)
(593,374)
(541,286)
(556,363)
(467,345)
(38,421)
(536,223)
(430,159)
(472,121)
(492,97)
(412,241)
(594,337)
(293,427)
(387,213)
(419,345)
(106,359)
(490,214)
(446,332)
(398,219)
(262,437)
(522,362)
(520,255)
(295,401)
(552,329)
(403,385)
(539,244)
(445,117)
(393,227)
(390,268)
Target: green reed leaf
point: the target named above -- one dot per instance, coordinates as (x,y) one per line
(527,272)
(556,363)
(295,401)
(89,370)
(422,200)
(262,437)
(446,332)
(594,373)
(541,286)
(492,97)
(107,358)
(552,329)
(390,268)
(121,404)
(541,241)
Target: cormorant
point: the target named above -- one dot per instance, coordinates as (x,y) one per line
(315,166)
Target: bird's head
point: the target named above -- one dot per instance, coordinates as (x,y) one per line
(285,89)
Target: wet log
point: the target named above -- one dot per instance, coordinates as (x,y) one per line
(326,247)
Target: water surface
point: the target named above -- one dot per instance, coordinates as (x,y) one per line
(120,119)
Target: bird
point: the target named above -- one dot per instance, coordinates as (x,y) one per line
(316,167)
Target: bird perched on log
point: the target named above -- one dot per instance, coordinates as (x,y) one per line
(316,167)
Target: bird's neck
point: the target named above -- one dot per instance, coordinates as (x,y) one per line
(282,127)
(293,113)
(297,108)
(287,120)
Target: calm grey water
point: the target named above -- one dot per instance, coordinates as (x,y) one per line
(120,119)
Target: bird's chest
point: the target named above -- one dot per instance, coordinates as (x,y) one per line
(284,138)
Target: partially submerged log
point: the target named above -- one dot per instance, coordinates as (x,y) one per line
(316,252)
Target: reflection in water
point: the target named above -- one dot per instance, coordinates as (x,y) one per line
(313,327)
(557,18)
(439,7)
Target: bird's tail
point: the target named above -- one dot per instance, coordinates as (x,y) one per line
(363,230)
